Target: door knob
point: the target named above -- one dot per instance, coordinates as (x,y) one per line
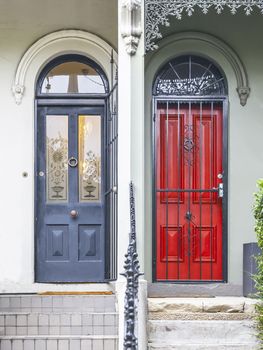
(74,214)
(72,162)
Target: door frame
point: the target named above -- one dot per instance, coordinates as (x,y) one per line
(63,102)
(225,112)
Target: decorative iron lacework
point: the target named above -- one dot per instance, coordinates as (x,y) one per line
(158,12)
(190,76)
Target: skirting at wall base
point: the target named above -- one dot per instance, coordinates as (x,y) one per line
(193,290)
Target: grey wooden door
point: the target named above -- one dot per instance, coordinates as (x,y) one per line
(70,224)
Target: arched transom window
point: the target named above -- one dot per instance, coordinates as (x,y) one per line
(190,76)
(73,75)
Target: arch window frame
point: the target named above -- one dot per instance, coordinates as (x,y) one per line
(66,58)
(163,69)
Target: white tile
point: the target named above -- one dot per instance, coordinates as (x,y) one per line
(36,302)
(87,320)
(54,330)
(29,344)
(26,302)
(74,344)
(86,344)
(98,320)
(21,330)
(15,302)
(76,320)
(10,330)
(54,320)
(47,302)
(5,344)
(17,345)
(65,320)
(4,302)
(110,344)
(43,320)
(10,320)
(52,344)
(32,320)
(32,330)
(64,345)
(98,344)
(40,344)
(21,320)
(43,330)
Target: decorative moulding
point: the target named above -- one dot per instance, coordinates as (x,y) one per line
(43,45)
(218,46)
(131,27)
(158,13)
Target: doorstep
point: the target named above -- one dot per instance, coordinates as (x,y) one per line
(202,308)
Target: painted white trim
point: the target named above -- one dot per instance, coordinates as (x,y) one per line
(49,46)
(205,44)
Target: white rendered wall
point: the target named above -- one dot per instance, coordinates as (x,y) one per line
(21,26)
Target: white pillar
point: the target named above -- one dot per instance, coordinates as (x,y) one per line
(131,168)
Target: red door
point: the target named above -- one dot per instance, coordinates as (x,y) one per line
(189,143)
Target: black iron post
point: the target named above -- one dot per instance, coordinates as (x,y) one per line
(132,274)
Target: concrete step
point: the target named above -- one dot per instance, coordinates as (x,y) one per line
(204,347)
(57,303)
(59,343)
(198,305)
(174,332)
(22,324)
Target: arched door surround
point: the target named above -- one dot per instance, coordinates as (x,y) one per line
(190,171)
(75,172)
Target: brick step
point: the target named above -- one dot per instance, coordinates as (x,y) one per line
(18,324)
(174,332)
(59,343)
(199,346)
(50,303)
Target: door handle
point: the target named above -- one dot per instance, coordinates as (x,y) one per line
(220,190)
(74,214)
(72,162)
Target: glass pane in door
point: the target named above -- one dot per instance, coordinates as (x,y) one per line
(57,158)
(89,158)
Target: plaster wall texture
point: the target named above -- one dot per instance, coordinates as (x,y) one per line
(245,157)
(21,24)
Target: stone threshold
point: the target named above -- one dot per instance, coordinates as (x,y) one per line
(202,305)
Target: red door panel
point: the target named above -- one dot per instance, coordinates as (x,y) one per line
(188,209)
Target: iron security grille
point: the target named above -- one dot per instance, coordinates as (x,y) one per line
(189,190)
(190,171)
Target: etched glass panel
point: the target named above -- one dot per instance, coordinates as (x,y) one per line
(73,78)
(57,158)
(89,158)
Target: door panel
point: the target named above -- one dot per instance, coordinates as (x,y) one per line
(69,203)
(189,161)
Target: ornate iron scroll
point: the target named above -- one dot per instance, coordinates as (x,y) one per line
(132,274)
(158,12)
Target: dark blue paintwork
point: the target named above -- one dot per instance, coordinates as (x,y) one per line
(68,249)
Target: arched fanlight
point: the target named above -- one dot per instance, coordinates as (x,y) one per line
(72,74)
(190,76)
